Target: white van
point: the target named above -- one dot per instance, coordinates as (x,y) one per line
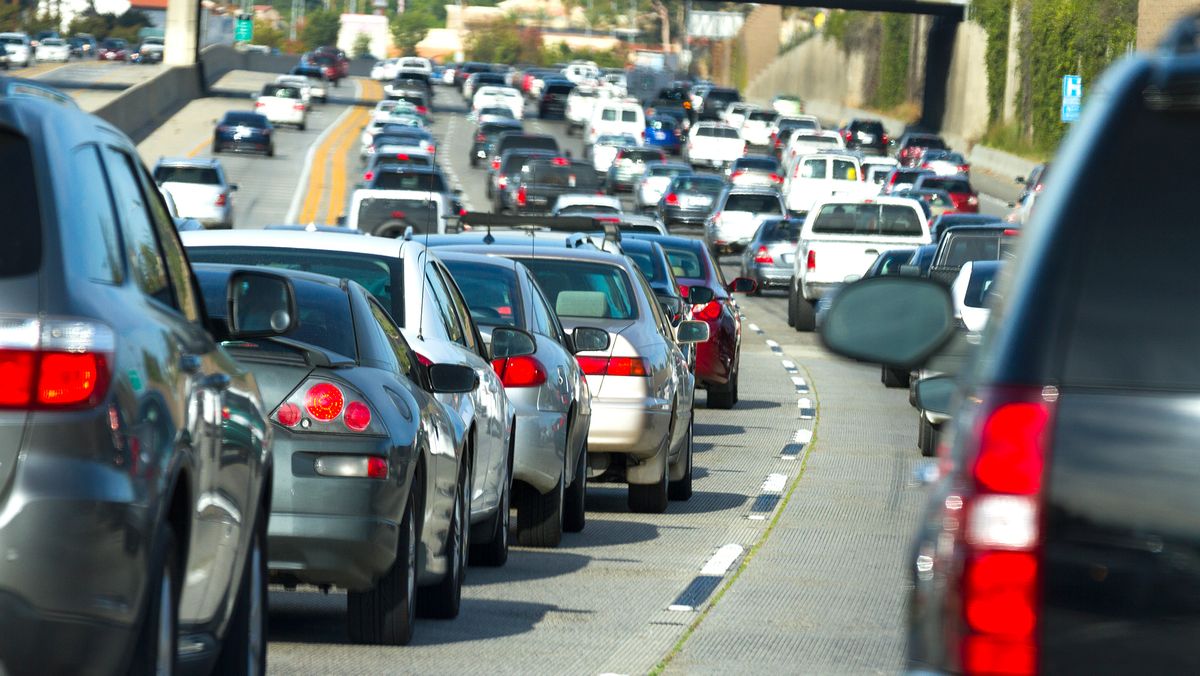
(616,117)
(824,176)
(581,71)
(415,63)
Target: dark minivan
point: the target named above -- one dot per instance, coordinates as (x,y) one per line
(1063,534)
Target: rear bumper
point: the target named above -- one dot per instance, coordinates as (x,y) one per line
(816,290)
(684,216)
(350,552)
(634,427)
(258,144)
(770,275)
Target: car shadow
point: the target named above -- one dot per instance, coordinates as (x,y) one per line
(527,565)
(611,499)
(716,430)
(607,533)
(756,405)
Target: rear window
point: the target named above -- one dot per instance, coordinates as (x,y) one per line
(22,250)
(559,89)
(388,180)
(815,140)
(666,170)
(490,292)
(202,175)
(757,163)
(722,95)
(246,119)
(947,184)
(650,265)
(782,230)
(584,289)
(532,142)
(718,132)
(980,284)
(960,248)
(868,127)
(926,142)
(762,116)
(868,219)
(514,161)
(643,155)
(281,91)
(685,263)
(707,186)
(570,176)
(629,116)
(758,204)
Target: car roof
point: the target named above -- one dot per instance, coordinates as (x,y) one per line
(210,162)
(562,253)
(304,275)
(287,239)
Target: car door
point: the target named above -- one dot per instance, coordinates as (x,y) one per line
(551,350)
(678,383)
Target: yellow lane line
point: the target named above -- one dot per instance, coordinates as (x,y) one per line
(316,179)
(342,167)
(199,148)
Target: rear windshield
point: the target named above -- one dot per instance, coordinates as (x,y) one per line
(514,161)
(643,155)
(868,219)
(587,209)
(383,277)
(22,250)
(490,292)
(762,116)
(559,89)
(650,265)
(717,132)
(868,127)
(707,186)
(816,140)
(758,163)
(947,184)
(324,310)
(757,204)
(202,175)
(789,124)
(570,176)
(281,91)
(685,263)
(722,95)
(246,119)
(666,170)
(534,142)
(388,180)
(926,142)
(958,248)
(584,289)
(782,230)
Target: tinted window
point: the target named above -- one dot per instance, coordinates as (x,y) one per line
(947,184)
(759,163)
(685,263)
(782,230)
(758,204)
(445,307)
(868,127)
(867,219)
(246,119)
(666,170)
(958,248)
(717,132)
(707,186)
(513,162)
(281,91)
(533,142)
(203,175)
(650,264)
(387,180)
(490,292)
(629,116)
(95,241)
(643,155)
(761,116)
(980,284)
(571,176)
(925,142)
(141,244)
(584,289)
(461,312)
(559,89)
(608,115)
(21,253)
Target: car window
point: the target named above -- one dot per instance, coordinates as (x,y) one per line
(685,263)
(425,182)
(608,115)
(660,319)
(95,240)
(187,298)
(844,170)
(863,219)
(569,176)
(406,361)
(142,250)
(757,204)
(463,312)
(629,116)
(201,175)
(490,291)
(813,169)
(584,289)
(980,285)
(445,308)
(541,308)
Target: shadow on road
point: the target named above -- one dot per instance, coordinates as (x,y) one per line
(525,565)
(748,405)
(714,430)
(612,500)
(607,533)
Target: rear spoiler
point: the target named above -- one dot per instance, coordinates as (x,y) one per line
(567,224)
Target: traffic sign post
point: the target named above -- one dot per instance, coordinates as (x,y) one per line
(1072,97)
(243,30)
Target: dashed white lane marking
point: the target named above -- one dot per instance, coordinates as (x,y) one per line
(789,365)
(754,328)
(757,517)
(679,608)
(772,344)
(797,380)
(774,483)
(802,437)
(804,403)
(722,560)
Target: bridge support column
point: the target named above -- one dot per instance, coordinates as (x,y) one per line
(939,52)
(182,33)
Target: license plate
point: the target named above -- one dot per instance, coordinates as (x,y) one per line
(694,202)
(866,138)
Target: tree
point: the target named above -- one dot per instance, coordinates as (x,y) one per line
(502,42)
(362,46)
(265,33)
(10,17)
(321,28)
(410,27)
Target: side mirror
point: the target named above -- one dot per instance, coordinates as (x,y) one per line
(233,187)
(260,304)
(850,279)
(691,332)
(895,321)
(510,342)
(590,339)
(936,394)
(341,220)
(743,285)
(457,191)
(700,295)
(670,305)
(452,379)
(1019,180)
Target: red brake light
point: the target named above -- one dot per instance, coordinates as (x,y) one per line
(298,106)
(402,156)
(502,182)
(480,138)
(68,364)
(496,164)
(66,378)
(288,415)
(559,162)
(810,263)
(425,361)
(376,468)
(763,256)
(324,401)
(357,417)
(522,196)
(422,110)
(222,199)
(1012,448)
(737,173)
(370,175)
(592,366)
(709,312)
(615,366)
(17,368)
(1011,232)
(775,178)
(522,371)
(671,199)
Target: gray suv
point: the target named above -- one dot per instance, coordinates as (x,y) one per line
(134,452)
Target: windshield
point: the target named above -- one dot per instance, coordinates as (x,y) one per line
(202,175)
(245,119)
(756,164)
(947,184)
(490,292)
(868,219)
(717,132)
(705,185)
(782,230)
(584,289)
(568,176)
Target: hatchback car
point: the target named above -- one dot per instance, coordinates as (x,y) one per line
(689,199)
(756,170)
(768,258)
(282,104)
(654,181)
(866,135)
(736,215)
(240,130)
(199,188)
(628,166)
(121,418)
(663,132)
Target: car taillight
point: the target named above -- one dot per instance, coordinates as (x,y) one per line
(324,401)
(810,262)
(708,311)
(421,110)
(480,138)
(775,178)
(322,406)
(763,256)
(495,164)
(369,176)
(522,371)
(735,174)
(973,200)
(883,138)
(963,168)
(671,199)
(222,199)
(259,104)
(298,106)
(522,196)
(51,364)
(502,182)
(996,513)
(612,366)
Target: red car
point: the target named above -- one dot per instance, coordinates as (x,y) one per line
(965,199)
(113,49)
(331,61)
(718,358)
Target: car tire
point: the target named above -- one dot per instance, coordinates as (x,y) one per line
(651,498)
(271,151)
(540,517)
(894,377)
(216,148)
(494,552)
(474,162)
(158,642)
(386,613)
(443,600)
(302,126)
(575,500)
(490,192)
(806,315)
(681,489)
(724,397)
(927,437)
(791,308)
(244,649)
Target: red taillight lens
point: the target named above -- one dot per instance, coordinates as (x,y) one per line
(522,196)
(502,183)
(324,401)
(811,262)
(480,138)
(376,468)
(999,593)
(1012,449)
(592,366)
(425,361)
(422,110)
(763,256)
(222,199)
(259,104)
(66,379)
(298,106)
(776,178)
(735,174)
(708,312)
(17,369)
(671,199)
(615,366)
(522,371)
(399,214)
(51,364)
(357,416)
(288,415)
(496,164)
(370,175)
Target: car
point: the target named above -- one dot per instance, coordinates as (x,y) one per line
(714,101)
(641,386)
(114,387)
(53,49)
(866,135)
(331,61)
(756,170)
(42,35)
(912,147)
(416,290)
(628,166)
(876,168)
(901,179)
(240,130)
(755,129)
(544,181)
(552,100)
(945,163)
(546,386)
(392,153)
(615,117)
(784,127)
(940,224)
(656,177)
(808,143)
(404,132)
(785,104)
(493,114)
(518,140)
(888,262)
(819,176)
(505,97)
(481,79)
(18,49)
(663,132)
(767,259)
(959,245)
(358,442)
(318,81)
(1034,183)
(385,71)
(300,82)
(508,173)
(718,359)
(465,70)
(113,49)
(282,104)
(605,149)
(735,114)
(959,188)
(736,215)
(580,72)
(935,202)
(199,188)
(415,63)
(713,144)
(580,102)
(150,51)
(485,136)
(398,198)
(571,204)
(689,199)
(83,45)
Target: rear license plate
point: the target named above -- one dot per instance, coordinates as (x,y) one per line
(695,202)
(866,138)
(787,258)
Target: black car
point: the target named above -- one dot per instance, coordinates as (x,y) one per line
(134,451)
(241,130)
(354,419)
(517,140)
(866,135)
(715,101)
(511,163)
(912,147)
(485,137)
(1060,535)
(939,224)
(552,104)
(542,181)
(690,199)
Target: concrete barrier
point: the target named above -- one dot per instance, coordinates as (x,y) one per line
(146,105)
(999,162)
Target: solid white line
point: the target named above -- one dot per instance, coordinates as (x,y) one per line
(774,483)
(804,403)
(772,344)
(298,197)
(677,608)
(757,517)
(802,437)
(722,560)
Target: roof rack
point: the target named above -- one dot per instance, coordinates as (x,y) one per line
(568,224)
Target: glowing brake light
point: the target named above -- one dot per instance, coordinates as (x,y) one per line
(522,196)
(222,200)
(614,366)
(54,363)
(559,162)
(707,312)
(369,176)
(671,199)
(524,371)
(495,164)
(810,262)
(763,256)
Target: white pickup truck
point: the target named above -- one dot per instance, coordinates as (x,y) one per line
(840,239)
(714,145)
(824,175)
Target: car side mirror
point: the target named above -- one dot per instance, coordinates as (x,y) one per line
(260,304)
(452,379)
(1019,180)
(936,394)
(691,332)
(670,305)
(743,285)
(233,187)
(589,339)
(511,342)
(895,321)
(700,295)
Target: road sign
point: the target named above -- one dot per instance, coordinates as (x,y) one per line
(1072,97)
(243,30)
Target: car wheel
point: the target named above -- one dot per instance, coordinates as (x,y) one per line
(652,498)
(474,161)
(791,309)
(575,501)
(157,645)
(681,489)
(302,126)
(216,148)
(244,650)
(540,517)
(806,315)
(724,396)
(443,600)
(927,436)
(386,613)
(894,377)
(494,552)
